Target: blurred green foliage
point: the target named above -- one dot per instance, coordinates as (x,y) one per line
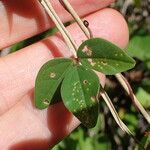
(82,139)
(78,141)
(139,47)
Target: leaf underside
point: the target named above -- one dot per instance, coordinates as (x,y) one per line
(48,80)
(79,92)
(103,56)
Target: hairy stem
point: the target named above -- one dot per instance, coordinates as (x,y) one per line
(119,76)
(66,35)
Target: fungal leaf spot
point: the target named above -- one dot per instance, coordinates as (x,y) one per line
(87,50)
(85,82)
(93,98)
(46,102)
(91,62)
(52,75)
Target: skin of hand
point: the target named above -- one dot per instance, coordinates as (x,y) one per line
(22,126)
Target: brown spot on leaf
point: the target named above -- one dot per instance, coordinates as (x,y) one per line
(91,62)
(52,74)
(46,102)
(85,82)
(93,98)
(87,50)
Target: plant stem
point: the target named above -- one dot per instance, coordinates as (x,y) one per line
(66,35)
(76,17)
(116,116)
(114,112)
(123,81)
(119,76)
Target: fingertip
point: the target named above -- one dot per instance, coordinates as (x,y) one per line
(115,28)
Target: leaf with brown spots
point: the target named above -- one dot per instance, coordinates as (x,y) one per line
(79,92)
(48,80)
(103,56)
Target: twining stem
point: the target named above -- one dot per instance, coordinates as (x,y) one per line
(66,35)
(123,81)
(116,116)
(114,112)
(119,76)
(76,17)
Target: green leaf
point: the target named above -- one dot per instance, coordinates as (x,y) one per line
(139,47)
(103,56)
(144,97)
(132,121)
(48,80)
(79,92)
(148,64)
(146,84)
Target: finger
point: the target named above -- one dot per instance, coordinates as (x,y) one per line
(40,128)
(25,18)
(31,129)
(18,70)
(36,129)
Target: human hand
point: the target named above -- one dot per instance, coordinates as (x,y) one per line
(22,126)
